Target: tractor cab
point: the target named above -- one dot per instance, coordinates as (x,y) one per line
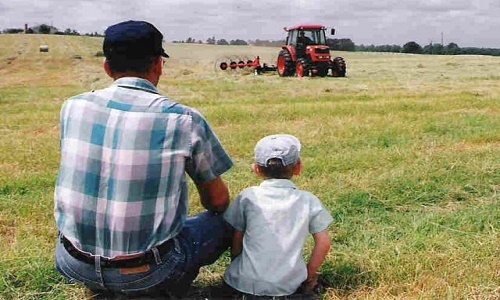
(307,37)
(310,35)
(303,36)
(306,53)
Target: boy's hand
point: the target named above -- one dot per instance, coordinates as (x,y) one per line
(310,284)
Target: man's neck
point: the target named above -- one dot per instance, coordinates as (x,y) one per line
(149,77)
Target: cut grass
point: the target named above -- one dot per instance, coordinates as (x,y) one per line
(404,153)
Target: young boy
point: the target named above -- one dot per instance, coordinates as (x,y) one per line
(272,222)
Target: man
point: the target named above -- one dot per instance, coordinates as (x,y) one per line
(303,40)
(121,199)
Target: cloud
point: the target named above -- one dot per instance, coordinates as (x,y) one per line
(466,22)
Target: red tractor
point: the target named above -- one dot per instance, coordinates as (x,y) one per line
(306,53)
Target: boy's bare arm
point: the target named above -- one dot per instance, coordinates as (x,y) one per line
(322,243)
(237,245)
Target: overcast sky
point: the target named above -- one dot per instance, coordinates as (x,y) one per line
(469,23)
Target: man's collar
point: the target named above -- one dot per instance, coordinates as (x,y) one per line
(136,83)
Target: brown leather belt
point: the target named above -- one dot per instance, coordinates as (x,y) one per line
(136,261)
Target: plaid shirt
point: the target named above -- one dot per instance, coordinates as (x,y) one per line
(125,150)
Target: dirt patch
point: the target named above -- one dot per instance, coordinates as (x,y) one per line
(7,233)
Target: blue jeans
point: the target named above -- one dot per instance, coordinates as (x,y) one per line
(202,240)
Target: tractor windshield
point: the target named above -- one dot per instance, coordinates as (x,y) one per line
(316,36)
(304,37)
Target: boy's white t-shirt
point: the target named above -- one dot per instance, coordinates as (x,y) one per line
(276,219)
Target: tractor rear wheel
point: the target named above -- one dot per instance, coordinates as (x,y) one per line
(285,64)
(338,67)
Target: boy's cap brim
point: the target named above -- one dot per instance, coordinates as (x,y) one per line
(281,146)
(133,39)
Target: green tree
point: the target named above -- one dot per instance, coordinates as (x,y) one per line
(13,30)
(341,44)
(222,42)
(437,49)
(412,47)
(211,41)
(238,42)
(70,31)
(452,49)
(44,29)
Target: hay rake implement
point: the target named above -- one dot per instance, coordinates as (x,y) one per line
(242,63)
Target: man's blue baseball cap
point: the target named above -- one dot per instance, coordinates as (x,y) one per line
(133,39)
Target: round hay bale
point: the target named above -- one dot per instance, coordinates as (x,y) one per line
(44,48)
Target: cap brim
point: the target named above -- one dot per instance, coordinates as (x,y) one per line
(164,54)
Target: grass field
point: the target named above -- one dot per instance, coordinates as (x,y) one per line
(404,152)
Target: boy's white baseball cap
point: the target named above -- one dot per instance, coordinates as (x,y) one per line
(285,147)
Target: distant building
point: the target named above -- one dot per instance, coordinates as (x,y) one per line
(27,30)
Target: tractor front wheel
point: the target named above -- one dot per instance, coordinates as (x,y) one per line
(301,70)
(322,70)
(285,64)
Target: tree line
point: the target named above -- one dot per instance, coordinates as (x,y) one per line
(412,47)
(47,29)
(213,41)
(349,45)
(334,44)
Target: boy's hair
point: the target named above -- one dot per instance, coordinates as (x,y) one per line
(276,170)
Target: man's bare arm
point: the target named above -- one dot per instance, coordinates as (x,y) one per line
(214,195)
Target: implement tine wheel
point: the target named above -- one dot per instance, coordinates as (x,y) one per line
(233,63)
